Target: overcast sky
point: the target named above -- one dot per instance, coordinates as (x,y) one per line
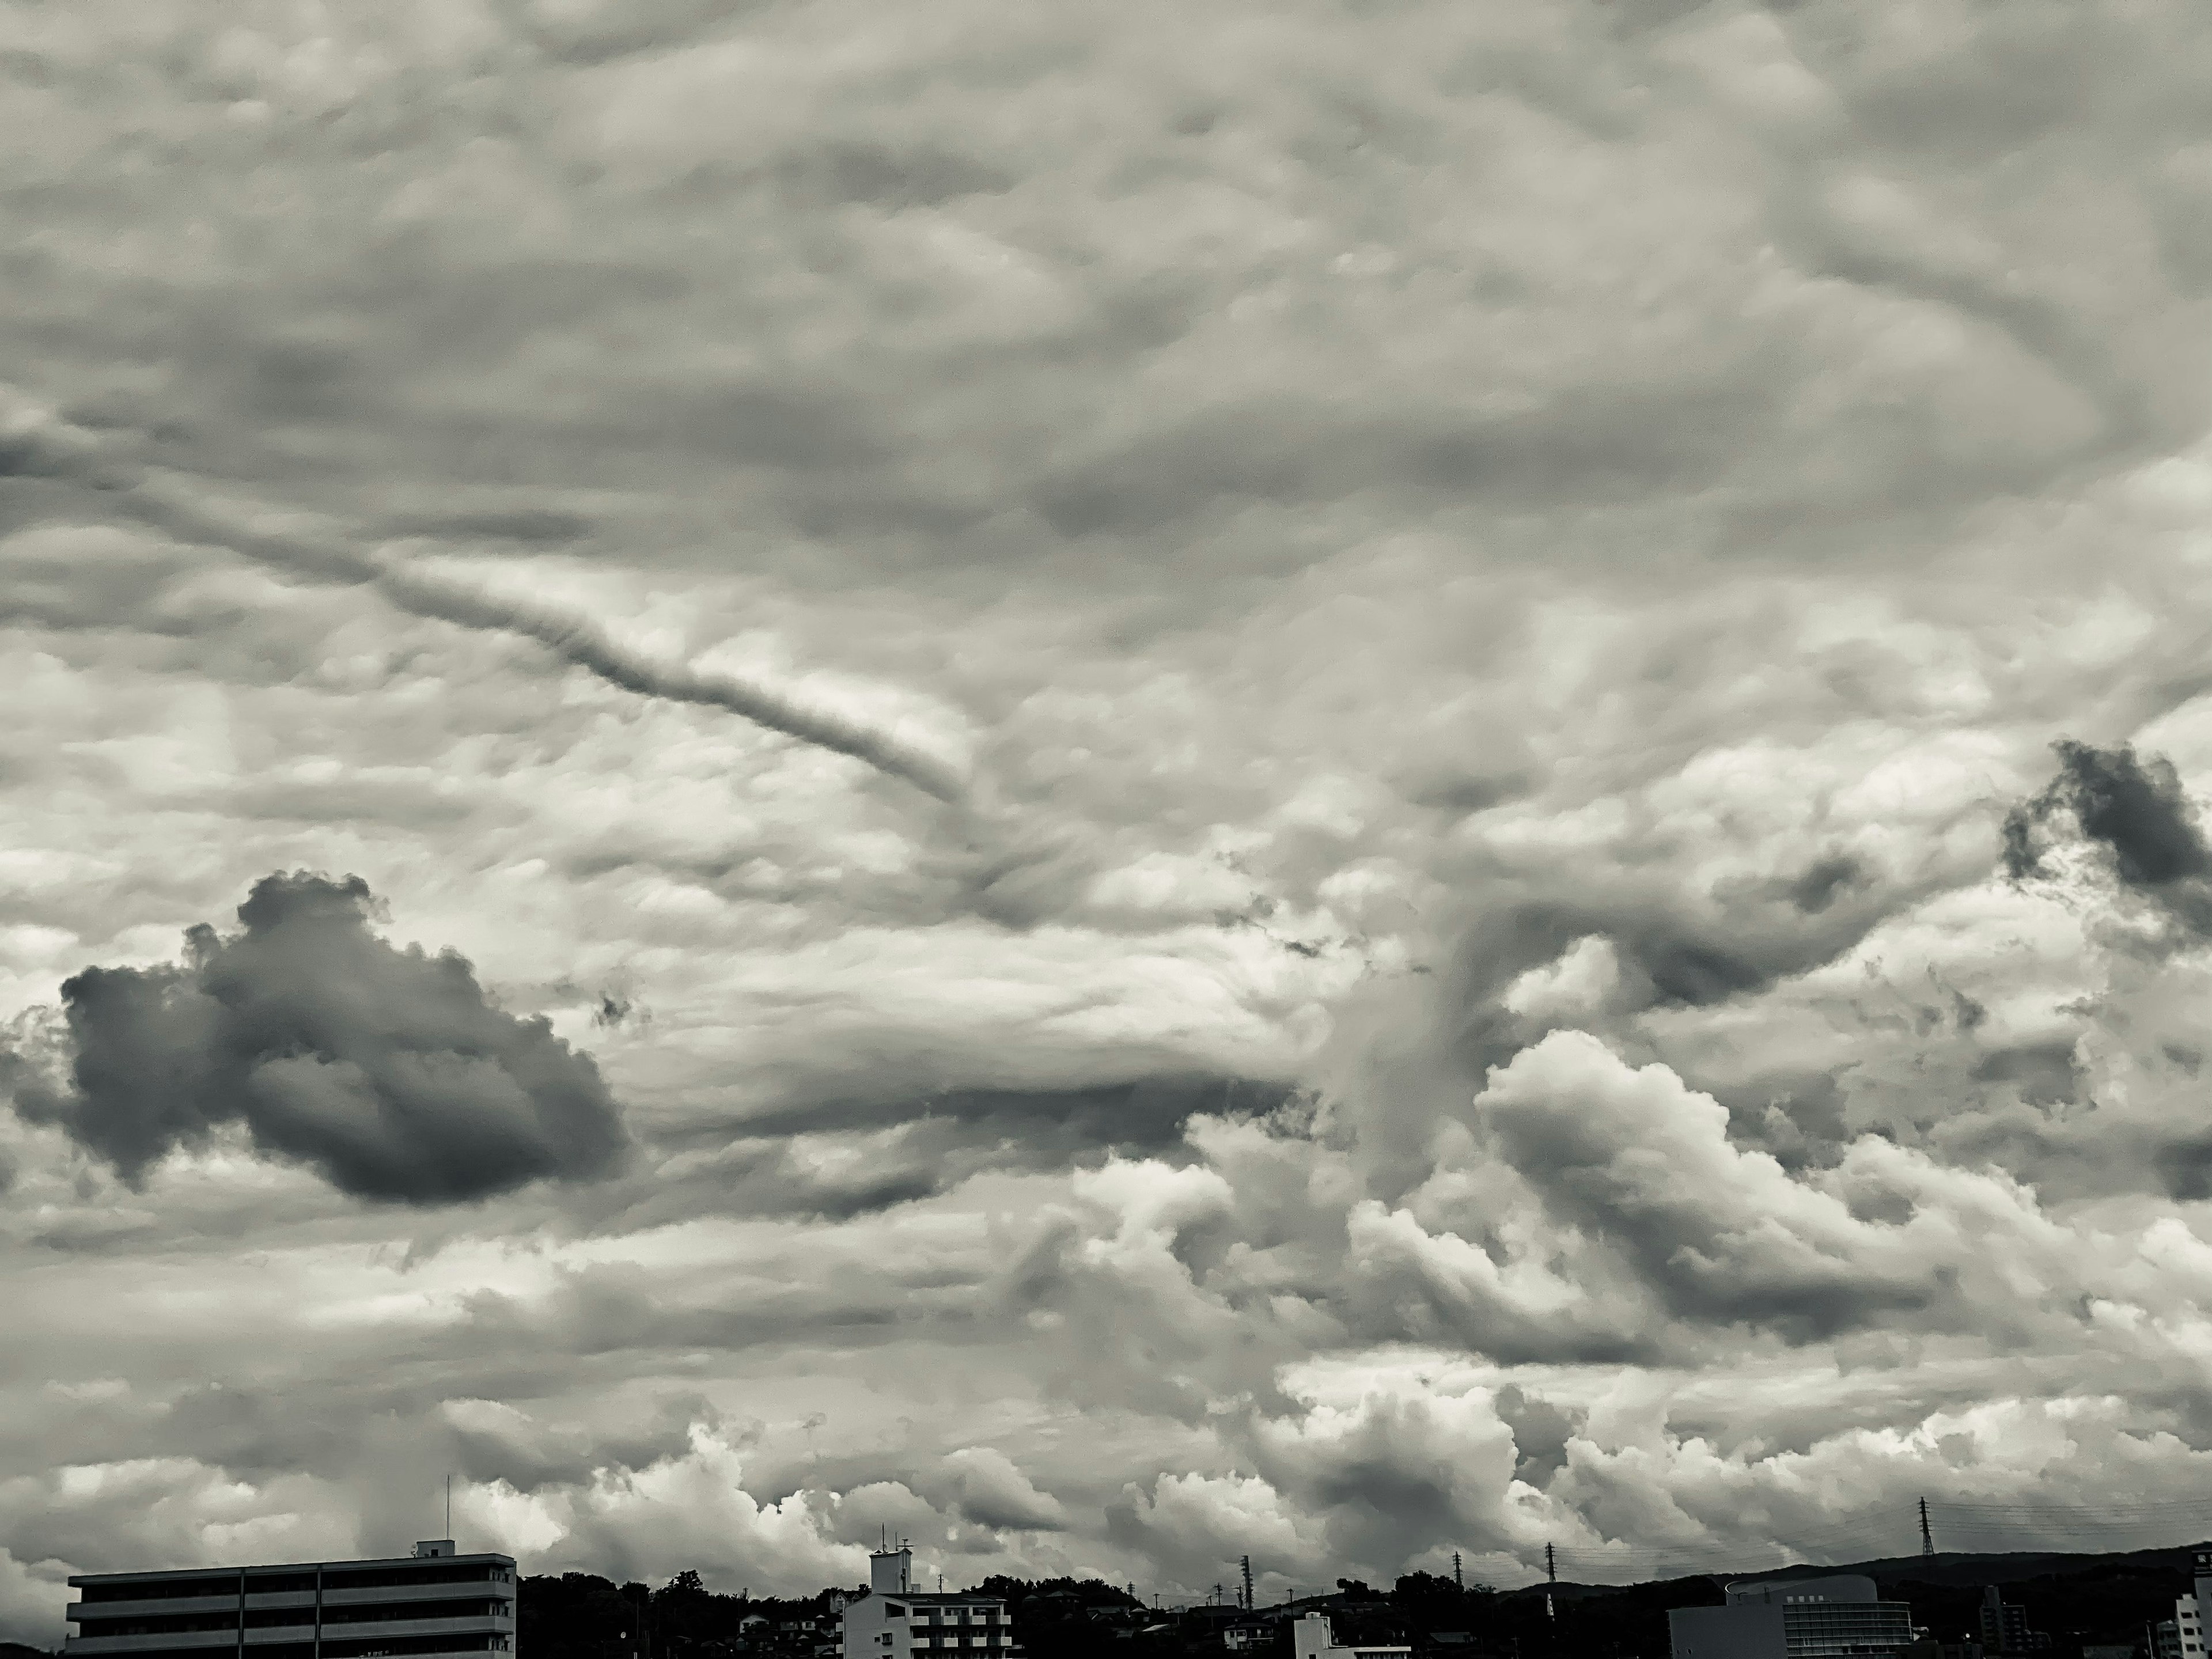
(1122,783)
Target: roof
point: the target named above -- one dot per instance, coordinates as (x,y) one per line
(78,1580)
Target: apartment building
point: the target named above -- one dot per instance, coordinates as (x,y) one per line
(896,1620)
(431,1605)
(2191,1611)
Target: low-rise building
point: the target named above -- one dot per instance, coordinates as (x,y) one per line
(1312,1637)
(897,1620)
(1833,1618)
(435,1604)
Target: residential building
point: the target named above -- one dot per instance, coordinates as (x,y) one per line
(1832,1618)
(1311,1638)
(2190,1612)
(434,1602)
(895,1618)
(2005,1628)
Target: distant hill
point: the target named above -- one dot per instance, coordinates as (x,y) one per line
(2077,1599)
(17,1650)
(1944,1567)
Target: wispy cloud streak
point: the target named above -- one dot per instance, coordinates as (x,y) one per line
(35,441)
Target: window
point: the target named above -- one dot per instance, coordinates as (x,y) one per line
(400,1577)
(162,1589)
(364,1613)
(174,1623)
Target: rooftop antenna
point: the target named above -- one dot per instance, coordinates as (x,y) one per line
(449,1503)
(1927,1538)
(1551,1577)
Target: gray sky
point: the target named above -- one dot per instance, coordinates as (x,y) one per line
(1122,783)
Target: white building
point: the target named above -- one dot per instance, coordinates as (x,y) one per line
(1831,1618)
(433,1602)
(896,1618)
(2190,1612)
(1312,1639)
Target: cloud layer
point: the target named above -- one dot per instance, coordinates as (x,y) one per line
(1553,659)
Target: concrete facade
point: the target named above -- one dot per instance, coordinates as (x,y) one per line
(435,1604)
(897,1620)
(1839,1617)
(2189,1612)
(1312,1637)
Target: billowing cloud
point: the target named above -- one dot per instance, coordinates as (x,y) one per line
(387,1070)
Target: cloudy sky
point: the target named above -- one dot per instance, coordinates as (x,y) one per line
(1120,783)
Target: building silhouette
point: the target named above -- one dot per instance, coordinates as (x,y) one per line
(435,1604)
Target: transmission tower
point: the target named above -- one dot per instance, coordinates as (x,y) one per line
(1247,1603)
(1457,1583)
(1551,1577)
(1927,1538)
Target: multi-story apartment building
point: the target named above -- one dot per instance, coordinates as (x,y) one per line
(2005,1629)
(431,1605)
(1833,1618)
(2190,1612)
(897,1620)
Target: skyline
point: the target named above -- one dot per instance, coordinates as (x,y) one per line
(1122,786)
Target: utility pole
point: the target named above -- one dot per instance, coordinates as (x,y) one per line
(1927,1538)
(1551,1577)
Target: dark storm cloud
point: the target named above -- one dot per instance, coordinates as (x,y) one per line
(385,1069)
(2134,807)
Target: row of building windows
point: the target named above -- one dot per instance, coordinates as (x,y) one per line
(962,1615)
(379,1612)
(333,1579)
(370,1647)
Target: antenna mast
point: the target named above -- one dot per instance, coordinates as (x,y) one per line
(449,1505)
(1247,1583)
(1927,1538)
(1551,1577)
